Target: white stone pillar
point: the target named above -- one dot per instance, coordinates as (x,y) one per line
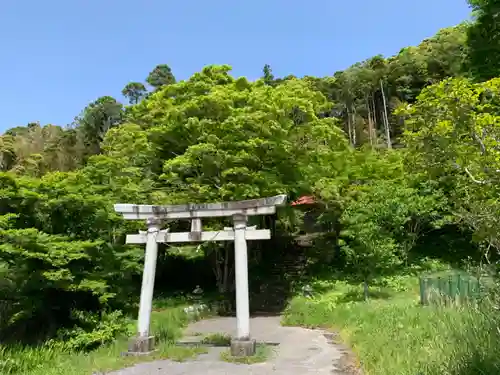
(241,274)
(148,278)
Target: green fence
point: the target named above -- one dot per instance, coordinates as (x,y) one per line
(454,289)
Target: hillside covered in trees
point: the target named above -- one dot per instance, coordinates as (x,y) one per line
(400,153)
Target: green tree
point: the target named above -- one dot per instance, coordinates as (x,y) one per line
(239,140)
(484,40)
(125,169)
(384,222)
(365,94)
(55,255)
(267,75)
(452,135)
(160,76)
(134,92)
(221,138)
(35,150)
(95,120)
(7,152)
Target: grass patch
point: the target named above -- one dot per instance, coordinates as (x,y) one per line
(394,335)
(167,325)
(262,353)
(217,339)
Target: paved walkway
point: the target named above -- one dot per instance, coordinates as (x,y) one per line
(300,352)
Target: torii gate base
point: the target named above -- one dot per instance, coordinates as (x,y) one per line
(139,346)
(242,344)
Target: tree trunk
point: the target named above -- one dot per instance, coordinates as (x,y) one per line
(223,268)
(386,117)
(226,268)
(353,111)
(370,121)
(349,125)
(374,113)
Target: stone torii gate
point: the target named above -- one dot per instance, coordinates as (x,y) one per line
(154,216)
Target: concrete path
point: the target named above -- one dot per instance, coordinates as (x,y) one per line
(300,352)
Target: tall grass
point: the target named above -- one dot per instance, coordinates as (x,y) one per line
(54,359)
(396,336)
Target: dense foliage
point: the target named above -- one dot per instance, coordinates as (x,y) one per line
(400,153)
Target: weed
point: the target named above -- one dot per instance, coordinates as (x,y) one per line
(262,353)
(217,339)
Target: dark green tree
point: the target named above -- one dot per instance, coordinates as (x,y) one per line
(268,75)
(96,119)
(134,92)
(484,40)
(161,76)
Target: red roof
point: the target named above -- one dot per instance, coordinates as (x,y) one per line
(305,199)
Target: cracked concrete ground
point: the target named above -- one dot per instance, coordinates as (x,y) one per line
(300,351)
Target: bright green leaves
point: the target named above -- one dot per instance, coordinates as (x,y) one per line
(56,252)
(455,128)
(53,256)
(6,221)
(125,171)
(385,220)
(7,152)
(452,135)
(222,138)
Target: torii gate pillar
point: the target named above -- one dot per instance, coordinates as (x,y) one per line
(242,344)
(148,277)
(241,276)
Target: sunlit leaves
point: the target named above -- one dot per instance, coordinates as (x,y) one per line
(236,140)
(452,134)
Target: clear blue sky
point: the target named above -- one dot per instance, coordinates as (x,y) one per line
(59,55)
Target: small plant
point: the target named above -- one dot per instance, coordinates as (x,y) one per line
(104,329)
(262,353)
(217,339)
(167,325)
